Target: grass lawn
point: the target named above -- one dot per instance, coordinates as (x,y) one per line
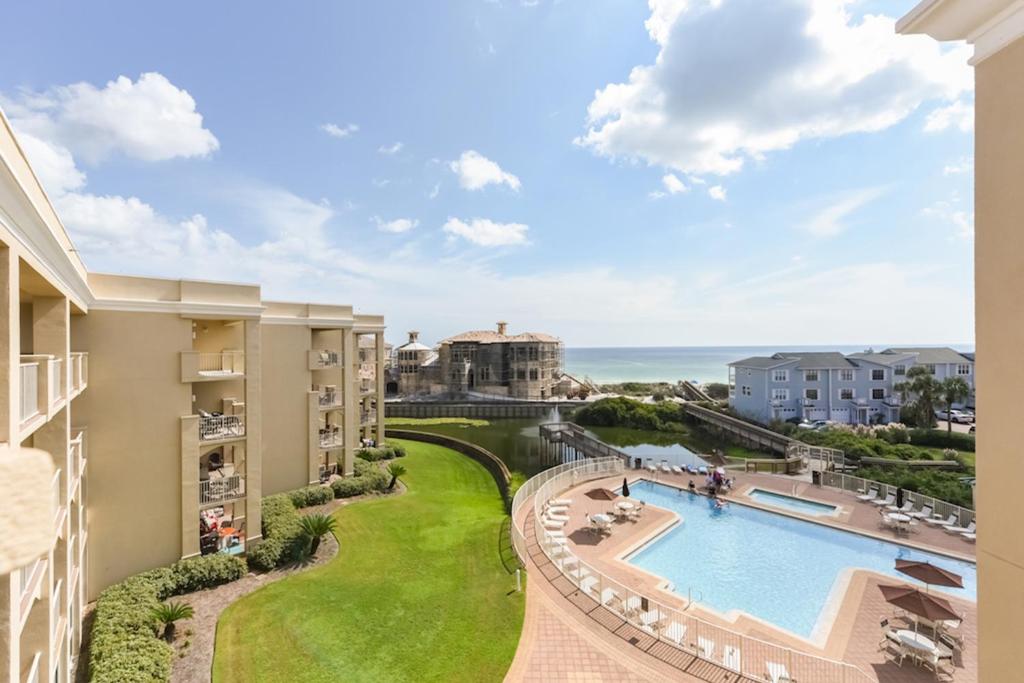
(416,593)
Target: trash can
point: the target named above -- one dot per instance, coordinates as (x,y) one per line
(816,478)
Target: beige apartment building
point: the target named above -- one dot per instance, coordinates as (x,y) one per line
(169,409)
(996,29)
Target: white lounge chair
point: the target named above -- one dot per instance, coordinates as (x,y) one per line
(883,503)
(652,469)
(558,517)
(677,469)
(558,509)
(675,632)
(560,502)
(731,658)
(553,524)
(608,596)
(552,535)
(969,529)
(665,468)
(949,521)
(778,673)
(923,513)
(705,647)
(869,496)
(587,583)
(902,509)
(972,537)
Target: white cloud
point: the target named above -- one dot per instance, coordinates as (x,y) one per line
(342,131)
(949,212)
(487,233)
(397,225)
(380,183)
(673,184)
(657,194)
(390,149)
(476,171)
(149,119)
(53,165)
(960,115)
(717,192)
(830,220)
(735,80)
(964,165)
(434,191)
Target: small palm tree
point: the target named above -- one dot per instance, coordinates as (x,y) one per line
(953,390)
(396,471)
(166,613)
(315,527)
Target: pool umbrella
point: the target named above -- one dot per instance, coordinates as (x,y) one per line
(899,497)
(929,574)
(601,494)
(919,604)
(625,487)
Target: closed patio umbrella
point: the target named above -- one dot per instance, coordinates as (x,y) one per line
(601,494)
(929,574)
(625,487)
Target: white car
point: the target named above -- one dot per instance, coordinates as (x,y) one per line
(956,416)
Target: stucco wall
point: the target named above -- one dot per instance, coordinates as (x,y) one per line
(999,335)
(286,384)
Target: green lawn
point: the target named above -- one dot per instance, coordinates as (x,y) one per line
(416,593)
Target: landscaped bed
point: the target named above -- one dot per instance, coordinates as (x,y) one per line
(416,593)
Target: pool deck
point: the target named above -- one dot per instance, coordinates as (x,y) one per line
(857,609)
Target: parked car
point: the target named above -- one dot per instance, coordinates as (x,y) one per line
(956,416)
(816,425)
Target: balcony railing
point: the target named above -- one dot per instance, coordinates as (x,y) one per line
(76,449)
(79,371)
(55,602)
(330,399)
(367,417)
(29,377)
(58,504)
(331,437)
(54,381)
(324,358)
(220,489)
(30,577)
(218,427)
(894,400)
(34,672)
(200,366)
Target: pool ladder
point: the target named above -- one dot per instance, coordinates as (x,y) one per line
(689,597)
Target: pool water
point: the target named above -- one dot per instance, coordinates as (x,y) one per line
(773,567)
(781,500)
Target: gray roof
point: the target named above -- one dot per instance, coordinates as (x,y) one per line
(762,362)
(816,360)
(882,358)
(930,355)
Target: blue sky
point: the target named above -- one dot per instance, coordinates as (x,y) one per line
(679,172)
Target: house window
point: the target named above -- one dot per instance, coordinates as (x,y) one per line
(533,353)
(846,394)
(930,367)
(810,375)
(745,390)
(811,394)
(846,376)
(877,375)
(533,373)
(780,394)
(878,394)
(780,376)
(899,370)
(963,369)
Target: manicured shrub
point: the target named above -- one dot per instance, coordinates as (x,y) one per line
(398,449)
(283,540)
(197,573)
(940,439)
(125,647)
(349,487)
(381,453)
(310,495)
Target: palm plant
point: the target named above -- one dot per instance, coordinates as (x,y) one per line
(925,388)
(396,471)
(315,527)
(166,613)
(953,390)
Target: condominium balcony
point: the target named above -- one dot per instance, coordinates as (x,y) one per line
(76,453)
(79,372)
(30,581)
(60,510)
(213,427)
(777,402)
(220,489)
(329,399)
(367,417)
(203,366)
(807,402)
(42,390)
(320,359)
(331,437)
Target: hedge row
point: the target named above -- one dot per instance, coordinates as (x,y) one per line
(940,439)
(382,453)
(310,495)
(125,647)
(366,477)
(283,539)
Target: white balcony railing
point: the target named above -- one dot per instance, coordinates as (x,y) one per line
(58,504)
(54,381)
(79,371)
(367,417)
(330,399)
(29,378)
(217,427)
(55,602)
(33,672)
(76,450)
(199,366)
(324,358)
(30,576)
(330,437)
(220,489)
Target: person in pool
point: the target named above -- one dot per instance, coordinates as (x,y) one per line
(692,487)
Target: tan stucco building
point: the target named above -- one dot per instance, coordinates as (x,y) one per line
(163,406)
(996,29)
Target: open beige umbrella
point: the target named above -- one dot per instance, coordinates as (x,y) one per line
(929,574)
(601,494)
(919,604)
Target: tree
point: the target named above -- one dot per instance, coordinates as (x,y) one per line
(315,527)
(166,613)
(953,390)
(925,389)
(396,471)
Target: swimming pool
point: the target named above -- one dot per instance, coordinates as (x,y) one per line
(773,567)
(792,503)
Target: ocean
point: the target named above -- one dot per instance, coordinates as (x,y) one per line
(695,363)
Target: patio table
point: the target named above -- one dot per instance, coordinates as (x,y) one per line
(918,642)
(624,505)
(601,518)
